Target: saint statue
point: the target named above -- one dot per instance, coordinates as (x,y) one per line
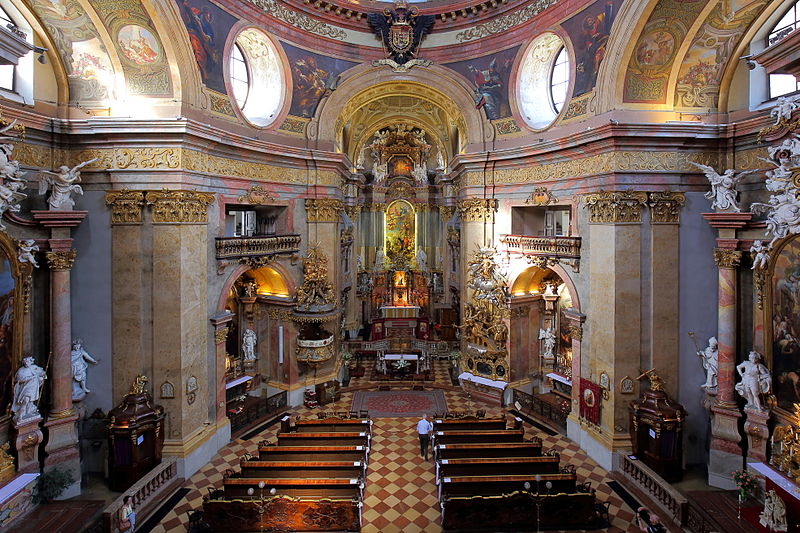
(709,356)
(27,386)
(249,345)
(80,358)
(548,338)
(422,259)
(773,517)
(756,380)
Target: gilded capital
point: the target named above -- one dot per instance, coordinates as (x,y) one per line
(176,206)
(323,209)
(477,209)
(221,334)
(665,207)
(61,259)
(446,212)
(727,258)
(126,206)
(353,212)
(613,207)
(576,332)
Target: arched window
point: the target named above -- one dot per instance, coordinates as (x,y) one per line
(240,77)
(559,80)
(780,84)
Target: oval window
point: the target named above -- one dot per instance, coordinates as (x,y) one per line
(255,77)
(543,81)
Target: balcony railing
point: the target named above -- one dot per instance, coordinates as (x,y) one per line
(238,247)
(564,247)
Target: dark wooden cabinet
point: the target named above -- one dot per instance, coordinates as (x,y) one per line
(327,392)
(656,433)
(136,439)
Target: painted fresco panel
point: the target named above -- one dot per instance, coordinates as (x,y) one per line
(489,76)
(785,310)
(310,72)
(589,32)
(208,28)
(400,230)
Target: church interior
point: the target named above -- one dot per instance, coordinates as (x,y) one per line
(246,245)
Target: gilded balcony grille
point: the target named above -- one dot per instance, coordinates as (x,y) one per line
(563,247)
(238,247)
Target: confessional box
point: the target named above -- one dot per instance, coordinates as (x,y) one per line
(136,439)
(656,433)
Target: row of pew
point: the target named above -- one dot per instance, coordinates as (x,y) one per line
(491,478)
(310,479)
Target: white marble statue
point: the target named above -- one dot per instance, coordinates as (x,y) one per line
(380,260)
(422,259)
(723,193)
(773,517)
(11,180)
(26,249)
(420,173)
(419,137)
(249,345)
(783,213)
(27,386)
(760,255)
(756,380)
(380,171)
(80,360)
(439,160)
(548,338)
(62,185)
(709,356)
(783,108)
(550,290)
(359,262)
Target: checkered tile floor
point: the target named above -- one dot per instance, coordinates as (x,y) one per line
(400,495)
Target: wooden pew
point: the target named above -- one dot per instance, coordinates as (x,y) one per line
(521,511)
(312,453)
(324,439)
(332,425)
(445,424)
(236,487)
(303,469)
(509,449)
(469,437)
(498,485)
(501,466)
(283,514)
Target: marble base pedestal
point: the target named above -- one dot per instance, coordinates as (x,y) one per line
(725,454)
(63,452)
(755,427)
(27,436)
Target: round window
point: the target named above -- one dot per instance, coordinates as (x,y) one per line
(255,77)
(543,81)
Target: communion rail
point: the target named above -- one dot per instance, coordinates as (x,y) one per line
(638,477)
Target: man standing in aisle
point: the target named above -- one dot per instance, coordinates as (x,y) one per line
(424,429)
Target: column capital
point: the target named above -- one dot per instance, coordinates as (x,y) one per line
(477,209)
(177,206)
(323,209)
(221,334)
(727,258)
(614,207)
(446,212)
(61,259)
(665,207)
(126,206)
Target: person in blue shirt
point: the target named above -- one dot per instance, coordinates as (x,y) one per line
(424,429)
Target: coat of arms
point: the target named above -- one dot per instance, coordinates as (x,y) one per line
(401,30)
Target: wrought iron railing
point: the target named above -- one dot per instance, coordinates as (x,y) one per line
(567,247)
(147,494)
(257,411)
(541,409)
(237,247)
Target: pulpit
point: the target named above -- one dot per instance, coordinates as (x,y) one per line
(656,426)
(136,437)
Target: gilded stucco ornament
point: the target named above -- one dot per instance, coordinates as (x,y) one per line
(541,196)
(504,23)
(727,258)
(177,206)
(323,209)
(477,209)
(615,207)
(665,207)
(315,297)
(139,383)
(299,20)
(257,195)
(126,206)
(221,334)
(61,259)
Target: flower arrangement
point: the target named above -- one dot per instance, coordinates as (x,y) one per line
(744,482)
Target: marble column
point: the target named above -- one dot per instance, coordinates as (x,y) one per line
(575,324)
(221,327)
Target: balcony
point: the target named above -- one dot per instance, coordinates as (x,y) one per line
(247,248)
(545,251)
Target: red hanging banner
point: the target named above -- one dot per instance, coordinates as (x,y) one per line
(590,401)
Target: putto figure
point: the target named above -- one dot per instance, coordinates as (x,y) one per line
(760,255)
(26,250)
(62,185)
(27,386)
